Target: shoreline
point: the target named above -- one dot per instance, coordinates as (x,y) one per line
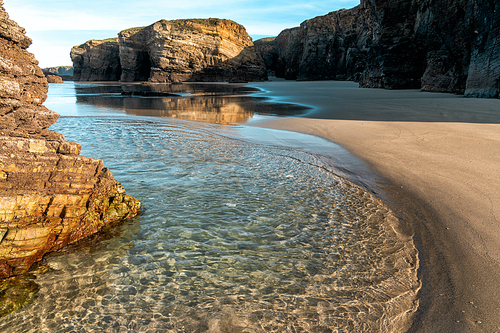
(437,153)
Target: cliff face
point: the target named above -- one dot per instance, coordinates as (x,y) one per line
(50,195)
(97,60)
(435,45)
(324,48)
(484,71)
(173,51)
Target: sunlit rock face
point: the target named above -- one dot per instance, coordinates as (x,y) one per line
(206,50)
(441,46)
(50,195)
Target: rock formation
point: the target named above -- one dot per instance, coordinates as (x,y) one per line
(52,78)
(436,45)
(97,60)
(60,70)
(483,78)
(172,51)
(50,195)
(62,73)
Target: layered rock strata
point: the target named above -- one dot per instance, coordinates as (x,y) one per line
(50,195)
(97,60)
(435,45)
(172,51)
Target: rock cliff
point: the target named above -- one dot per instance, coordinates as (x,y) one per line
(50,195)
(435,45)
(97,60)
(172,51)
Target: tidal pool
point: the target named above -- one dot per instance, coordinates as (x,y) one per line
(234,236)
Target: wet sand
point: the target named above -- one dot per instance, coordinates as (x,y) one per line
(440,155)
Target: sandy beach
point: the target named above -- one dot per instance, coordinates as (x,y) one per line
(440,155)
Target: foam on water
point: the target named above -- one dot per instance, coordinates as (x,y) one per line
(234,237)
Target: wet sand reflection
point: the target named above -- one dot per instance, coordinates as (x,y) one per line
(212,103)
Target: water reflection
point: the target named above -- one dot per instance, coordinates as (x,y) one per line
(212,103)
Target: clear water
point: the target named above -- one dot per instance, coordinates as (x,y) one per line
(234,237)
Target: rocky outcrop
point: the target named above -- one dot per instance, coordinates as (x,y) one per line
(96,60)
(172,51)
(58,74)
(50,195)
(60,70)
(435,45)
(52,78)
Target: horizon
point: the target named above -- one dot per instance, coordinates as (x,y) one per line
(46,22)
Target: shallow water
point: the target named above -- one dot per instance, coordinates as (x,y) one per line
(234,237)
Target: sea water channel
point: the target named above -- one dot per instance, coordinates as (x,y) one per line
(240,230)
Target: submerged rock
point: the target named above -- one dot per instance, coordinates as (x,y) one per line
(50,195)
(441,46)
(172,51)
(17,292)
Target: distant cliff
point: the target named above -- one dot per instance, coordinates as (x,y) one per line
(60,70)
(50,195)
(172,51)
(435,45)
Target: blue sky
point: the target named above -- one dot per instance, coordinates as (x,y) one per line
(57,25)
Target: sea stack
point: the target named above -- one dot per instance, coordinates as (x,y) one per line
(50,195)
(204,50)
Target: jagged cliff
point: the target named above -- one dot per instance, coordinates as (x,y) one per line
(435,45)
(50,195)
(172,51)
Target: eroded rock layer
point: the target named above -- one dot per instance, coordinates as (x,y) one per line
(50,195)
(172,51)
(435,45)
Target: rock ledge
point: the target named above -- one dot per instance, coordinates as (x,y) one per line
(50,195)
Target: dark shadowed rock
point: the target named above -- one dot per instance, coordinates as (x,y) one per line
(436,45)
(96,60)
(484,70)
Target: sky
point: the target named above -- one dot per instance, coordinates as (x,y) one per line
(57,25)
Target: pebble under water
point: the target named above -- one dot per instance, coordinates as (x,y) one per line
(233,237)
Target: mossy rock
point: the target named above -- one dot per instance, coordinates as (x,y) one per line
(17,292)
